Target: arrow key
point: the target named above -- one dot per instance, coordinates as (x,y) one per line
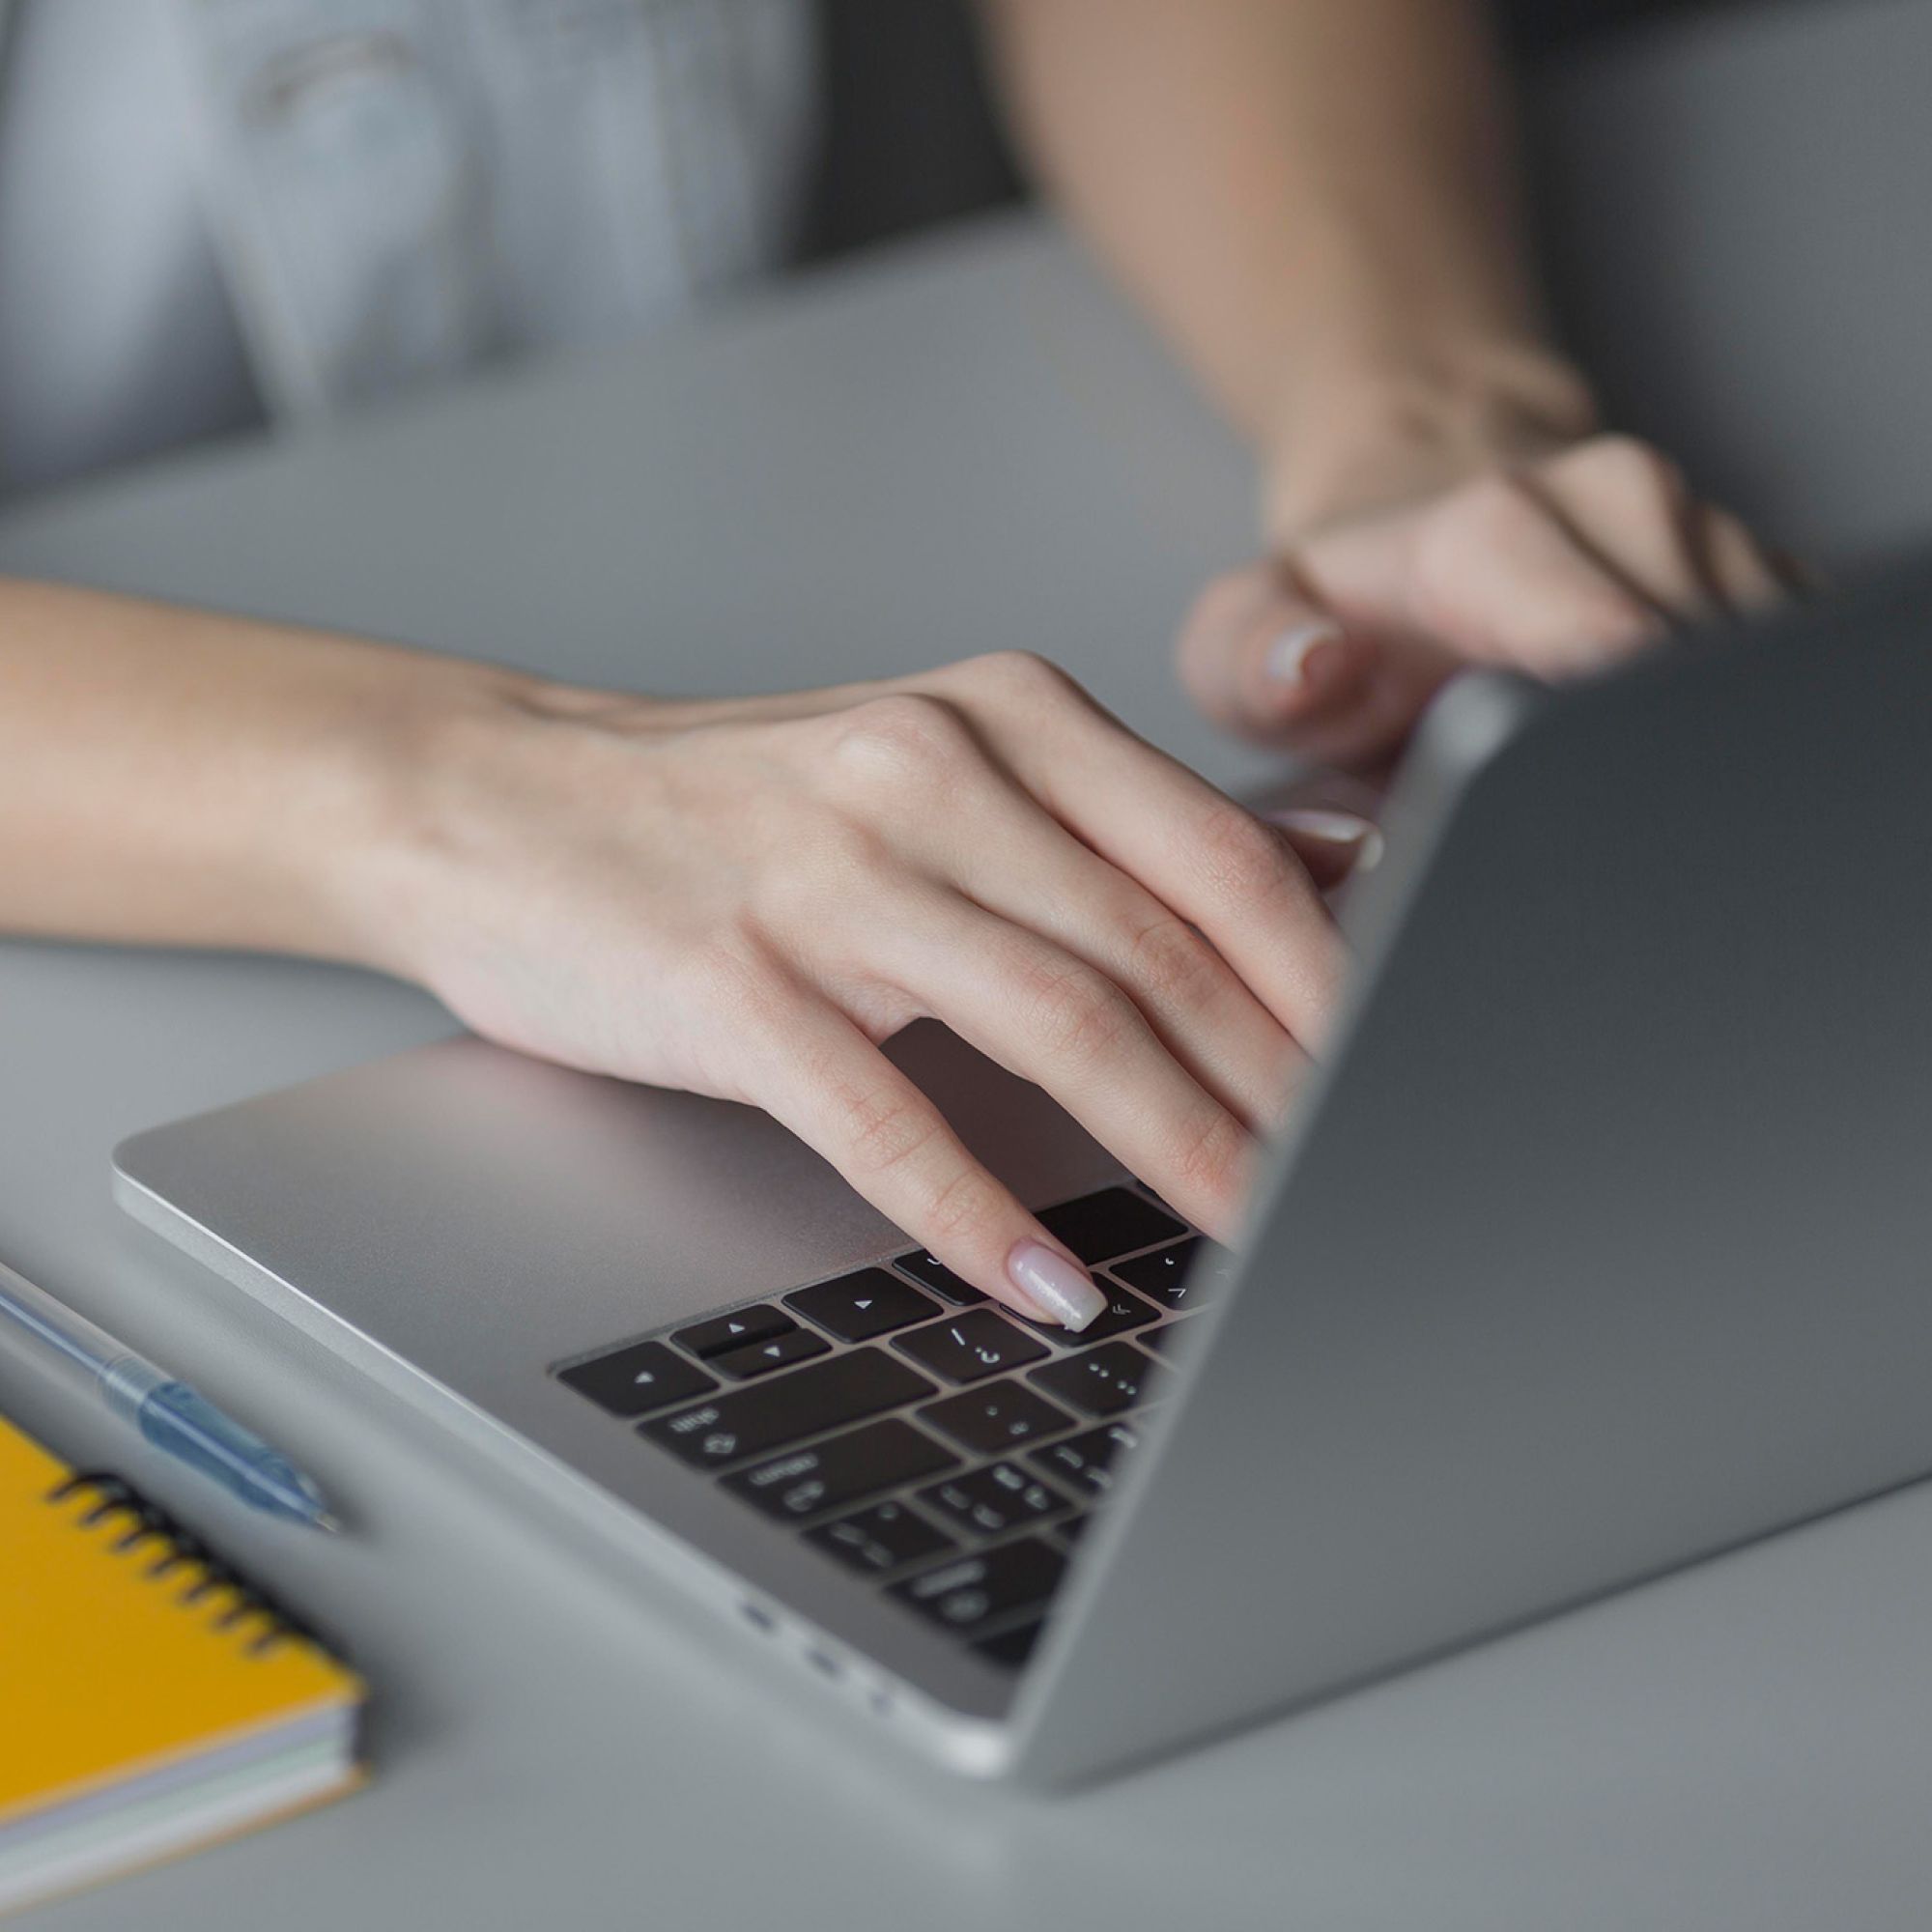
(855,1307)
(635,1380)
(762,1357)
(738,1329)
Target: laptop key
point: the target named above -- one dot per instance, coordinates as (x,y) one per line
(1168,1338)
(736,1330)
(993,1500)
(822,1396)
(1116,1221)
(1070,1529)
(635,1380)
(931,1272)
(828,1476)
(969,1347)
(1183,1277)
(1011,1648)
(970,1593)
(989,1419)
(855,1307)
(1123,1311)
(1104,1380)
(888,1536)
(1086,1463)
(796,1345)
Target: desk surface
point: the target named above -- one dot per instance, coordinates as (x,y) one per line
(966,446)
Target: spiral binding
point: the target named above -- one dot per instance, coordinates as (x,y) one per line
(180,1548)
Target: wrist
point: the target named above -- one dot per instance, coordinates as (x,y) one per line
(1369,430)
(462,770)
(432,749)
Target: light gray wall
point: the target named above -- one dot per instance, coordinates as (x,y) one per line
(1738,216)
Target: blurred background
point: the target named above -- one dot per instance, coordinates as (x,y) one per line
(1734,209)
(1732,199)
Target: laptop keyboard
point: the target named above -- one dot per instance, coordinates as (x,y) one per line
(917,1433)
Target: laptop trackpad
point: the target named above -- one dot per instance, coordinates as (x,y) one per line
(461,1192)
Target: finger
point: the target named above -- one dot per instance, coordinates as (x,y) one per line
(1402,675)
(1046,1015)
(818,1074)
(1497,574)
(1629,507)
(1752,583)
(1334,845)
(1024,866)
(1797,574)
(1198,852)
(1264,660)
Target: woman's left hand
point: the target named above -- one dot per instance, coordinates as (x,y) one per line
(1554,565)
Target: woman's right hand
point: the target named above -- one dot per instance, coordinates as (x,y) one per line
(744,899)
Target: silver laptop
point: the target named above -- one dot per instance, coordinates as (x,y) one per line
(1605,1242)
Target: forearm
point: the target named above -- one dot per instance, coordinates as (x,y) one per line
(1315,199)
(171,776)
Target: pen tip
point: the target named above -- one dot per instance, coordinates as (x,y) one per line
(331,1523)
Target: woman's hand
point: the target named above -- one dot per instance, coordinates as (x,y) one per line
(745,898)
(741,898)
(1555,563)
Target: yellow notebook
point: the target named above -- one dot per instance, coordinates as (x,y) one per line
(150,1700)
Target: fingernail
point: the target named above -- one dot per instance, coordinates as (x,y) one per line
(1344,829)
(1288,656)
(1061,1292)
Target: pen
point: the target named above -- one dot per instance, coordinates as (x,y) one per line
(169,1413)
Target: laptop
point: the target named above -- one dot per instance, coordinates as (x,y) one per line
(1602,1243)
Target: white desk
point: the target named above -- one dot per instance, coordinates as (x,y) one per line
(965,448)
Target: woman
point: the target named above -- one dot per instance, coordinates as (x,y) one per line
(1313,200)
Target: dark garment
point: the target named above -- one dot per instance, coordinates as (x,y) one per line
(1538,25)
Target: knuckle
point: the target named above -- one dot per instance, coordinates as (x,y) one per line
(1018,681)
(882,1127)
(1173,962)
(726,975)
(900,738)
(1212,1153)
(736,1007)
(1492,510)
(1486,521)
(1458,548)
(1025,671)
(1076,1014)
(1630,466)
(1242,859)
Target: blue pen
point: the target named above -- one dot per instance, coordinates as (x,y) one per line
(169,1413)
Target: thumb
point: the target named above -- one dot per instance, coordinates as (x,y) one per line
(1267,662)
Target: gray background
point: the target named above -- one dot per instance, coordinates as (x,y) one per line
(963,446)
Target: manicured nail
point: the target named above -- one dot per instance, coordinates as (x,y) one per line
(1358,837)
(1288,656)
(1059,1291)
